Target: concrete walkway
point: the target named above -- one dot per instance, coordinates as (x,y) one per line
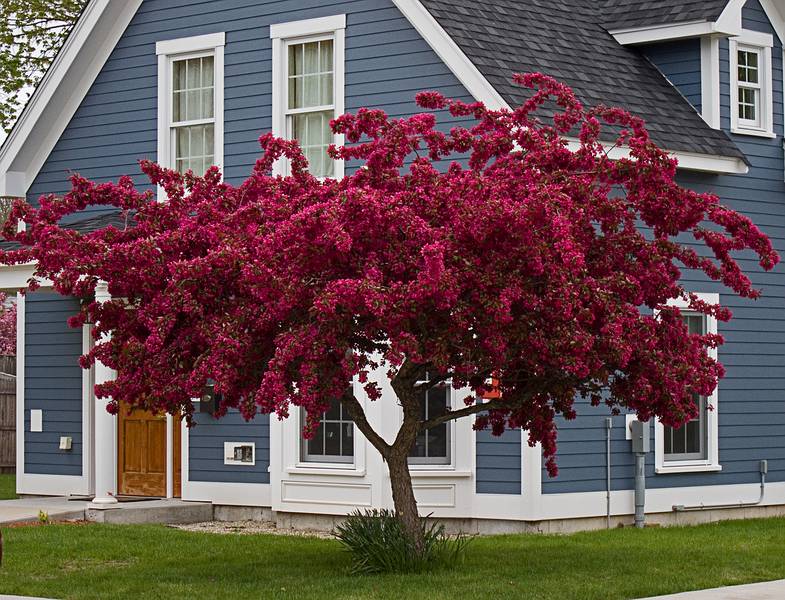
(174,511)
(770,590)
(25,510)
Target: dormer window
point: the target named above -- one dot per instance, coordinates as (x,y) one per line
(751,84)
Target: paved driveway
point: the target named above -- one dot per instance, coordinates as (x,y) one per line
(771,590)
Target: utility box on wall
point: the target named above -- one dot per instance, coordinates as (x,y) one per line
(641,434)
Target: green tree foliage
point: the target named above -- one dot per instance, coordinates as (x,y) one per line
(31,33)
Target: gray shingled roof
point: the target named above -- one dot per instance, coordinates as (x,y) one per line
(620,14)
(86,224)
(566,39)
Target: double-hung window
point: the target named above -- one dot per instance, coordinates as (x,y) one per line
(308,76)
(751,84)
(695,445)
(334,439)
(192,122)
(190,103)
(690,441)
(432,446)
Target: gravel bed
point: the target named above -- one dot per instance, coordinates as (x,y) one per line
(250,528)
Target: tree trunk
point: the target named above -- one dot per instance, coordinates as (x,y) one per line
(403,497)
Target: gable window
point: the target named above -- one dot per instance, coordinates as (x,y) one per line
(695,445)
(334,440)
(751,84)
(190,103)
(432,446)
(308,75)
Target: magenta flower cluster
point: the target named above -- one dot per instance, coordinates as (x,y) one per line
(544,268)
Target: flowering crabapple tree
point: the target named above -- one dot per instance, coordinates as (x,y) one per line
(543,269)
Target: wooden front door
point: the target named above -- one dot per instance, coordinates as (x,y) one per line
(141,454)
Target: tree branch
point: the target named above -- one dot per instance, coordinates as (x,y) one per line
(471,410)
(357,414)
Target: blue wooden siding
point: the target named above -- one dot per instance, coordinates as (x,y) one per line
(680,62)
(751,408)
(387,62)
(206,448)
(498,469)
(53,384)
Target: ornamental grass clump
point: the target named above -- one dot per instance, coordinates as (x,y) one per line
(378,543)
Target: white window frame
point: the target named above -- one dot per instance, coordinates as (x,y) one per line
(426,464)
(309,30)
(753,41)
(330,459)
(183,48)
(712,460)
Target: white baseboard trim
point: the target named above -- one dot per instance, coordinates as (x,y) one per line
(51,485)
(230,494)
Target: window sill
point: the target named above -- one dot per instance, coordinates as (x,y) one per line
(432,473)
(330,469)
(687,468)
(754,132)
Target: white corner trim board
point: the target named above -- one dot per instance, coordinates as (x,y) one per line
(710,81)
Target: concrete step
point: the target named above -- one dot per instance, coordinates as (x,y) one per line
(152,511)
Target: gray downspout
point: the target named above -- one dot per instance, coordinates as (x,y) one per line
(640,489)
(640,434)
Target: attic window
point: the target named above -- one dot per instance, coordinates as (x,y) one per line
(751,85)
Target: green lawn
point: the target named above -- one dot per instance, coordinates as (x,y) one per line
(7,486)
(101,561)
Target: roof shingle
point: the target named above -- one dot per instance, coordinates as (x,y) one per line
(621,14)
(567,40)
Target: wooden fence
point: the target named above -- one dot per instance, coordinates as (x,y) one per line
(7,414)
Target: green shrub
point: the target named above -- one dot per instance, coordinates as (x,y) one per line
(378,544)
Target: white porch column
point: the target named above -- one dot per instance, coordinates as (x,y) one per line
(105,430)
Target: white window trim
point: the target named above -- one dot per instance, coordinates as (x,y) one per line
(190,47)
(294,463)
(761,42)
(281,33)
(436,469)
(331,460)
(712,460)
